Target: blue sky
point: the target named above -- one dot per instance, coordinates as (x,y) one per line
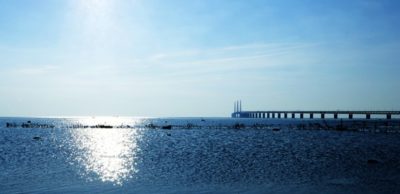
(194,58)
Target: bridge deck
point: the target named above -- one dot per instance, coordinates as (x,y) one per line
(323,113)
(328,112)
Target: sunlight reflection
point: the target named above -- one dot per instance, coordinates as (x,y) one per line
(106,154)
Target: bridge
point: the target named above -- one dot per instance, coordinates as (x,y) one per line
(239,113)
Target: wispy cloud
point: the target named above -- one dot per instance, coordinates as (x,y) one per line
(230,58)
(36,70)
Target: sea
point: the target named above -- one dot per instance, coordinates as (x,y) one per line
(196,155)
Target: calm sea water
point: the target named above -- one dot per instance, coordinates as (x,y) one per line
(211,157)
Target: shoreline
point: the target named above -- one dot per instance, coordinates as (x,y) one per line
(361,125)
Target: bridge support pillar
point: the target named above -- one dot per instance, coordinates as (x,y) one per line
(267,115)
(279,115)
(285,115)
(301,115)
(335,116)
(388,116)
(293,115)
(311,116)
(368,116)
(273,115)
(350,116)
(322,116)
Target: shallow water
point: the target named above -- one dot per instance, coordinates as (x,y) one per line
(193,160)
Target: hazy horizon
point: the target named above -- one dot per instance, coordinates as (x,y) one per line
(195,58)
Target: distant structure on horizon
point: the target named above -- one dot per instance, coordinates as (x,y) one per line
(239,113)
(237,106)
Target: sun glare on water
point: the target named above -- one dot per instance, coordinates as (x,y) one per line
(108,154)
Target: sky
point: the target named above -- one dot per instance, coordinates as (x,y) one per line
(174,58)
